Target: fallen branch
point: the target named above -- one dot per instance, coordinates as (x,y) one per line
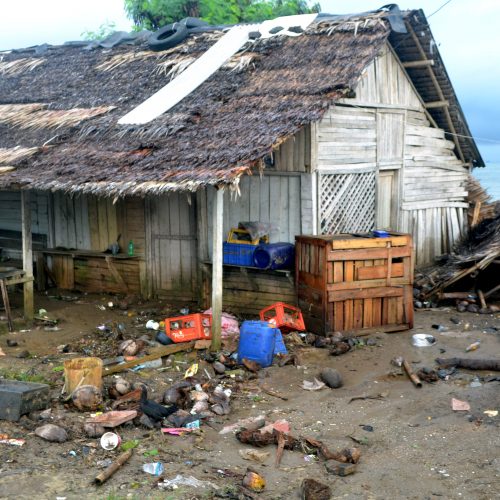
(273,393)
(470,364)
(105,475)
(410,374)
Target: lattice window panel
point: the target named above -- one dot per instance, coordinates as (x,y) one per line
(347,202)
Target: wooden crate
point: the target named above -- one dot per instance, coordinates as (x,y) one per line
(353,283)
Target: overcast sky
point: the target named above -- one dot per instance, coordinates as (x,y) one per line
(466,32)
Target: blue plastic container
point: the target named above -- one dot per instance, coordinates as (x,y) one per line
(238,254)
(279,344)
(257,342)
(275,256)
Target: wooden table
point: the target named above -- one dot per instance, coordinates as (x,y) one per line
(10,276)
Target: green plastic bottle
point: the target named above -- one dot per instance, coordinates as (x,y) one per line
(131,248)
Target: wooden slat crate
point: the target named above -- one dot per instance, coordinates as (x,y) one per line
(351,283)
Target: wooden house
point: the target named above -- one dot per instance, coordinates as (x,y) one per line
(351,126)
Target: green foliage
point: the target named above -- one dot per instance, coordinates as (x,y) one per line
(102,32)
(23,376)
(153,14)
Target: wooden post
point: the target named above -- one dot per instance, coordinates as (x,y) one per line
(218,220)
(27,254)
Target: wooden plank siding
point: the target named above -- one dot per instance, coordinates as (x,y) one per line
(384,127)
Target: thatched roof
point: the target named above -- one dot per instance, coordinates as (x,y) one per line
(59,110)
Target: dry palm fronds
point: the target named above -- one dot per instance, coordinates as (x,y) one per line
(11,155)
(19,65)
(33,116)
(119,59)
(239,63)
(174,67)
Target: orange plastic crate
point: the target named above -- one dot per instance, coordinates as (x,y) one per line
(190,327)
(284,316)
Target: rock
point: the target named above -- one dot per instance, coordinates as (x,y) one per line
(418,304)
(219,368)
(122,386)
(371,342)
(331,377)
(12,343)
(455,320)
(94,430)
(461,308)
(314,490)
(87,397)
(473,308)
(339,468)
(52,433)
(131,347)
(146,422)
(23,355)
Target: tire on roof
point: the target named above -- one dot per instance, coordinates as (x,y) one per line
(193,22)
(168,36)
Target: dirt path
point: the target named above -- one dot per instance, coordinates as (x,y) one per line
(419,448)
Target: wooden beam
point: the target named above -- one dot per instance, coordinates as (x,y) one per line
(29,305)
(422,63)
(437,104)
(217,269)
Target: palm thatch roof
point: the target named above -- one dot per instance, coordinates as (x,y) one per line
(59,110)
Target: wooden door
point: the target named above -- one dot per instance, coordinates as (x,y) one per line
(387,199)
(172,256)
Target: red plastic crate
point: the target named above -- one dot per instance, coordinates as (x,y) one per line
(190,327)
(284,316)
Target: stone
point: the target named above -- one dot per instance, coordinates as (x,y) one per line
(331,377)
(339,468)
(52,433)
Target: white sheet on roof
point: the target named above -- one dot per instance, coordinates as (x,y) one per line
(206,65)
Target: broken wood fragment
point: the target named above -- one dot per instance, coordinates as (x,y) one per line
(416,381)
(281,448)
(339,468)
(470,364)
(117,464)
(273,393)
(155,354)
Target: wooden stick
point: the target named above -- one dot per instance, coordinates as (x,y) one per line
(275,394)
(457,295)
(106,474)
(281,447)
(6,303)
(410,374)
(475,215)
(157,353)
(481,299)
(492,291)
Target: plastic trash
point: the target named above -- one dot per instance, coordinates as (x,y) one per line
(152,325)
(155,363)
(172,484)
(473,347)
(110,441)
(153,468)
(423,340)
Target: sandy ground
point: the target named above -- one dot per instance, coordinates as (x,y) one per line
(419,448)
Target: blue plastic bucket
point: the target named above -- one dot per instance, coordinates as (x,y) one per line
(275,256)
(257,342)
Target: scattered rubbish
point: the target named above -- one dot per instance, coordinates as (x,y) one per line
(154,410)
(110,441)
(423,340)
(439,328)
(256,456)
(339,468)
(398,361)
(154,363)
(273,393)
(81,372)
(427,375)
(191,371)
(52,433)
(218,367)
(113,418)
(19,398)
(117,464)
(152,325)
(131,347)
(331,377)
(458,405)
(51,328)
(445,374)
(491,413)
(87,398)
(470,364)
(254,481)
(5,439)
(229,325)
(315,385)
(473,347)
(251,424)
(173,484)
(153,468)
(314,490)
(310,458)
(191,327)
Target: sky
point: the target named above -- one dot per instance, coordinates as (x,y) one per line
(466,32)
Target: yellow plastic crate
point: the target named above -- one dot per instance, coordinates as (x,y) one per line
(243,237)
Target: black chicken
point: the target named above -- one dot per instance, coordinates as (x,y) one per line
(154,410)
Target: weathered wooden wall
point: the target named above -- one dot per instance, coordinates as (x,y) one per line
(383,138)
(294,155)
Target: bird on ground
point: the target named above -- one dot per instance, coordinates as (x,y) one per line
(154,410)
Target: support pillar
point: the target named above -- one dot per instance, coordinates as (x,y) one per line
(27,254)
(217,237)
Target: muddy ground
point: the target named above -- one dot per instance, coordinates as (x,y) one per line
(418,448)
